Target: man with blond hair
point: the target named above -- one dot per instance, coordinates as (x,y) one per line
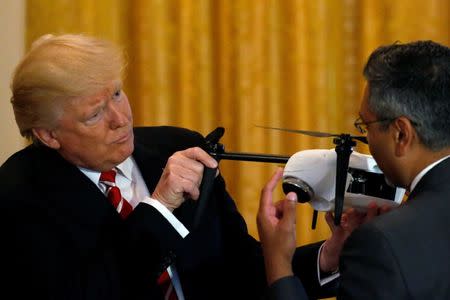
(97,209)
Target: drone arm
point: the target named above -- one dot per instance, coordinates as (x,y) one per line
(217,150)
(268,158)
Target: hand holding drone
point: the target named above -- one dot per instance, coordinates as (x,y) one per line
(321,177)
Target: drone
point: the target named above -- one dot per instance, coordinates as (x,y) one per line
(367,179)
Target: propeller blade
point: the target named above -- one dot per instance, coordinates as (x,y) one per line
(306,132)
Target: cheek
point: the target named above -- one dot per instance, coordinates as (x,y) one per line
(374,153)
(374,149)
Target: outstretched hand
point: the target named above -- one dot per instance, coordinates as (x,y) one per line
(277,230)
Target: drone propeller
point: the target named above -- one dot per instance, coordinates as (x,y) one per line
(362,139)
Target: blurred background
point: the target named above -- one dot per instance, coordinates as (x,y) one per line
(201,64)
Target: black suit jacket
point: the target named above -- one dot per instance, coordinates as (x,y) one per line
(403,254)
(62,239)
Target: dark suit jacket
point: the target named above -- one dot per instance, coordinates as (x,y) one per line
(286,288)
(61,239)
(403,254)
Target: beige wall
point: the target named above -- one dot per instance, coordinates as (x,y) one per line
(12,36)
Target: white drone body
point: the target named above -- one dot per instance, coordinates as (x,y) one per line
(312,174)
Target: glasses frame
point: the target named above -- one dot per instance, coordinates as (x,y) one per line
(359,123)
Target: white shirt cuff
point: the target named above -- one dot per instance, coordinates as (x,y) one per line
(323,281)
(179,227)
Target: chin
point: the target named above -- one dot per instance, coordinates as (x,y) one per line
(119,154)
(127,150)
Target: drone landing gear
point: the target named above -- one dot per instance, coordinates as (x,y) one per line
(344,144)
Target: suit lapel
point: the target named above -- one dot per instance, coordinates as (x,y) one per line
(151,164)
(73,201)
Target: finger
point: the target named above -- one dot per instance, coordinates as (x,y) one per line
(181,159)
(174,172)
(347,216)
(198,154)
(191,190)
(384,209)
(351,218)
(186,167)
(179,182)
(289,213)
(344,221)
(372,211)
(266,193)
(267,210)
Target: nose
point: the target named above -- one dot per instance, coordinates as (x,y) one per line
(118,116)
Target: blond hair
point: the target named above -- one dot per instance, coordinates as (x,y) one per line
(56,69)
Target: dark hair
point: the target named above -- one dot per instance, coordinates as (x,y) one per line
(413,80)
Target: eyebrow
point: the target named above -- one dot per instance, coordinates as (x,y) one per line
(117,85)
(100,101)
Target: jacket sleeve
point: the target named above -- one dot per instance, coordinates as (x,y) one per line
(285,289)
(304,265)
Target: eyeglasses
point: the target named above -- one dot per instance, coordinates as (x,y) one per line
(362,126)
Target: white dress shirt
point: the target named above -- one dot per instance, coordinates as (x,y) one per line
(133,188)
(425,171)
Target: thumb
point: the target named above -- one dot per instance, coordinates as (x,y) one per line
(330,221)
(289,212)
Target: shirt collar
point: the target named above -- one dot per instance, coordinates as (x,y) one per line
(425,171)
(125,168)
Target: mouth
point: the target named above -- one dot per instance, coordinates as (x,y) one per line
(124,138)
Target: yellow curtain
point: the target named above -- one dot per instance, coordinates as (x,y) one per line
(240,63)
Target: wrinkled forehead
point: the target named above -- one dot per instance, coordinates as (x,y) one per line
(96,96)
(105,90)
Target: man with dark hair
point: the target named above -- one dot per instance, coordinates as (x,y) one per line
(403,254)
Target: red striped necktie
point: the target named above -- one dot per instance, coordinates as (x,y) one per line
(123,207)
(165,282)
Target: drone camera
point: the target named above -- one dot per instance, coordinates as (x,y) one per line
(304,191)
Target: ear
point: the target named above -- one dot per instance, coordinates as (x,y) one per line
(46,137)
(404,135)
